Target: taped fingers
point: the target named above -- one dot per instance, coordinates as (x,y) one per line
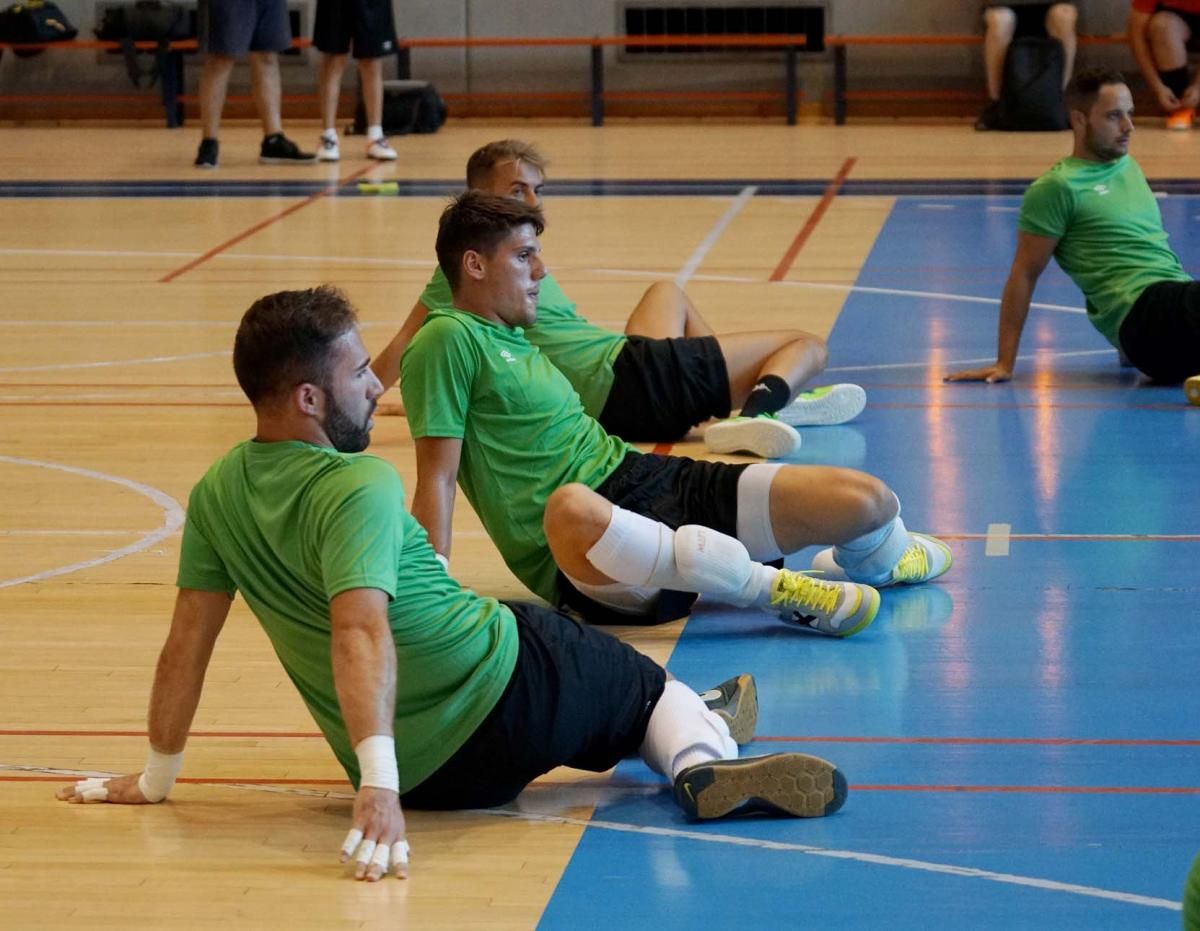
(400,851)
(92,790)
(350,844)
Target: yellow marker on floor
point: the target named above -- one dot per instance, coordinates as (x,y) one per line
(378,187)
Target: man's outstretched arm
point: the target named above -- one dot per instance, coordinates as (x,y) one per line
(1032,256)
(178,681)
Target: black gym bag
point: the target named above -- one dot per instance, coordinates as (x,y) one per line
(158,21)
(1032,98)
(408,107)
(32,22)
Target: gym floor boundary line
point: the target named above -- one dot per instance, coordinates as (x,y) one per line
(814,218)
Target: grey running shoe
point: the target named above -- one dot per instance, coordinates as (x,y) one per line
(837,609)
(794,784)
(736,701)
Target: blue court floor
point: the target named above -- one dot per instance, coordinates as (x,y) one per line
(1021,738)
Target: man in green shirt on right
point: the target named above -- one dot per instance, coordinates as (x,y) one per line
(1095,213)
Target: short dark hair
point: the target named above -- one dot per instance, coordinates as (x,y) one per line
(284,340)
(486,158)
(1082,91)
(478,222)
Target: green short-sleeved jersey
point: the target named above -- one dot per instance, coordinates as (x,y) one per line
(290,525)
(1111,240)
(581,351)
(524,432)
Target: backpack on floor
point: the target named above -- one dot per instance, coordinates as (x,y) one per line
(34,21)
(408,107)
(1032,98)
(158,21)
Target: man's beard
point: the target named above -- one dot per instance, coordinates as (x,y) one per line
(346,435)
(1109,153)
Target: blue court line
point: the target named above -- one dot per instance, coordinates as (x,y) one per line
(637,187)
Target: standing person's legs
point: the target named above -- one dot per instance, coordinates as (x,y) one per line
(1060,24)
(370,71)
(330,91)
(1000,23)
(265,85)
(1168,34)
(214,82)
(271,34)
(224,35)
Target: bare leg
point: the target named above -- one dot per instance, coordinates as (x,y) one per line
(264,81)
(1001,23)
(575,519)
(1168,36)
(370,71)
(214,81)
(332,67)
(1060,24)
(794,356)
(665,312)
(818,504)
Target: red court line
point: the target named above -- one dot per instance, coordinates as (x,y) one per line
(663,449)
(866,787)
(831,191)
(161,386)
(1179,405)
(71,403)
(246,234)
(1083,537)
(803,738)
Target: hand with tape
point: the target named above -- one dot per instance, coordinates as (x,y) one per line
(377,833)
(151,785)
(377,836)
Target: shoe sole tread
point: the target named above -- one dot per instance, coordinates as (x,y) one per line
(794,784)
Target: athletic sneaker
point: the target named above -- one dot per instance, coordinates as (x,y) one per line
(1181,119)
(838,609)
(278,149)
(327,149)
(736,701)
(381,150)
(763,435)
(925,558)
(1191,390)
(824,406)
(794,784)
(207,154)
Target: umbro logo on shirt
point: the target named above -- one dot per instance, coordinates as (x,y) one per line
(1102,189)
(507,356)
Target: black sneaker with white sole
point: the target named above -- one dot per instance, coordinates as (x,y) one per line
(278,149)
(736,701)
(790,784)
(207,154)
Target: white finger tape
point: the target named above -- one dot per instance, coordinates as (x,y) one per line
(365,851)
(400,851)
(92,790)
(350,844)
(380,857)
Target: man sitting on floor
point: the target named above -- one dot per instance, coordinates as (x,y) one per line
(667,372)
(585,520)
(426,692)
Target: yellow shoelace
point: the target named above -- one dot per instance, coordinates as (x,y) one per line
(798,590)
(914,564)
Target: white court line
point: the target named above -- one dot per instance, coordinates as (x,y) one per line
(151,360)
(72,533)
(689,267)
(1023,357)
(997,540)
(733,840)
(224,256)
(211,324)
(936,207)
(173,516)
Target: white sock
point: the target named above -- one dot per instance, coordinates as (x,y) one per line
(639,551)
(374,133)
(683,732)
(329,133)
(872,557)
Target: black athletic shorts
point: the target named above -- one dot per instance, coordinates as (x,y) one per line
(1031,17)
(674,490)
(578,697)
(1161,334)
(235,27)
(664,387)
(367,23)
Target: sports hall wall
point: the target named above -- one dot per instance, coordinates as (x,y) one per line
(459,71)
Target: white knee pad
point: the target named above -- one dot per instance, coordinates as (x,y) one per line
(710,562)
(754,511)
(682,731)
(635,550)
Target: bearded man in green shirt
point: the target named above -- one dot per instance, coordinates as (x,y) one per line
(1095,213)
(585,520)
(425,691)
(668,372)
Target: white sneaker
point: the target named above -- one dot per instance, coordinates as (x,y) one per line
(925,558)
(327,150)
(381,151)
(825,406)
(765,435)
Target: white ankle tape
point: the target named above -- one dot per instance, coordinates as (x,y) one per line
(635,550)
(158,776)
(377,762)
(754,511)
